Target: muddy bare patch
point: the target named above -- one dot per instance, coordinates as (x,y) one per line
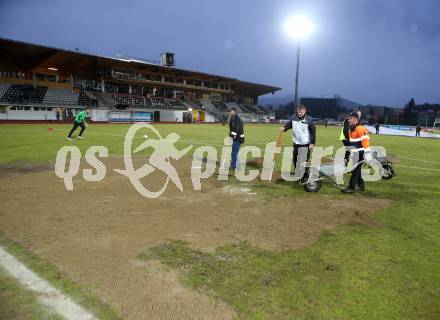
(15,169)
(95,232)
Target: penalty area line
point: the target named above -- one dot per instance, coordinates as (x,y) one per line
(47,294)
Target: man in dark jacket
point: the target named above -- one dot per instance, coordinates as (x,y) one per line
(236,132)
(360,144)
(345,136)
(304,137)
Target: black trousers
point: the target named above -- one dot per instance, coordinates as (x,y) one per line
(346,143)
(301,157)
(75,126)
(356,175)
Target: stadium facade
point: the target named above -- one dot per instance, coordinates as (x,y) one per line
(45,83)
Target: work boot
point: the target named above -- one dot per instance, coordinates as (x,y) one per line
(305,177)
(347,190)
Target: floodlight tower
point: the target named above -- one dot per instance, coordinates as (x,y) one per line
(298,28)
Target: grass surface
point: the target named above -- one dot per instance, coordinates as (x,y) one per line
(19,300)
(19,303)
(387,271)
(35,143)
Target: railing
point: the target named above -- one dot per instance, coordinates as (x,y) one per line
(37,83)
(164,83)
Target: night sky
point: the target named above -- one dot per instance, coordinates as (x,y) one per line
(370,51)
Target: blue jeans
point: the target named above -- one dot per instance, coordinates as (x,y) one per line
(234,153)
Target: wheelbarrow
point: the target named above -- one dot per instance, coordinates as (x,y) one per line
(331,171)
(387,165)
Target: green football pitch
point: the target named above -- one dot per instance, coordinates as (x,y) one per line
(34,143)
(386,270)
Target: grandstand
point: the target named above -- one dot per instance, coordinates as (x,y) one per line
(61,96)
(38,78)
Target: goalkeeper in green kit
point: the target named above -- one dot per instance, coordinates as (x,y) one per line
(80,121)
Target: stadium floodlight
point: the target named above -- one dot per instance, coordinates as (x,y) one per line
(299,27)
(190,109)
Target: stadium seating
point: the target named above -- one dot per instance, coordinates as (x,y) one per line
(61,96)
(3,88)
(128,100)
(104,100)
(158,102)
(254,108)
(220,105)
(50,95)
(247,108)
(175,104)
(86,99)
(262,110)
(24,94)
(193,104)
(209,106)
(148,103)
(122,101)
(235,105)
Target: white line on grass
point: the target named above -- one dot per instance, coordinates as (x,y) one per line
(418,168)
(180,140)
(47,295)
(421,160)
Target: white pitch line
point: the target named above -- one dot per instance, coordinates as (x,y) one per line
(47,295)
(122,136)
(421,160)
(180,140)
(418,168)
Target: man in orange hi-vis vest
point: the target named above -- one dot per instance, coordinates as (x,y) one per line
(360,149)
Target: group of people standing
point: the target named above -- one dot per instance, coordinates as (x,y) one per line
(354,137)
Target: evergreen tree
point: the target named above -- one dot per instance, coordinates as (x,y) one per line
(409,108)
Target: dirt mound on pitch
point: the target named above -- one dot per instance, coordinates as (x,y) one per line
(95,232)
